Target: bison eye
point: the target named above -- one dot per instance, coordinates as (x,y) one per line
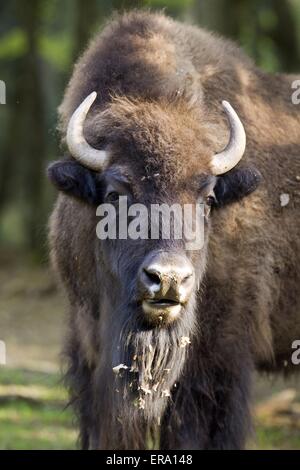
(210,200)
(112,197)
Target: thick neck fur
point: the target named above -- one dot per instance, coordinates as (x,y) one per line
(133,399)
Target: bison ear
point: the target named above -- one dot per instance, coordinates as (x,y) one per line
(236,184)
(75,180)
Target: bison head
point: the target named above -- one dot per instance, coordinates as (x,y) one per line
(146,289)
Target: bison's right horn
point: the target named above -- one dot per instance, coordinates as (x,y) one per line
(232,154)
(78,146)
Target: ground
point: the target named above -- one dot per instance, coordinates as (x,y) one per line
(33,412)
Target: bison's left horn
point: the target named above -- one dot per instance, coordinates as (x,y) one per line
(233,152)
(78,146)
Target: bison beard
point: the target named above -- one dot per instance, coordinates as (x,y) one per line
(132,401)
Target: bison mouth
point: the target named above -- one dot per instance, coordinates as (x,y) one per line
(162,303)
(162,310)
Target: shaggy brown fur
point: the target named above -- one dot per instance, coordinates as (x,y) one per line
(160,84)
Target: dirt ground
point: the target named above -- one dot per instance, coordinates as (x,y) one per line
(32,324)
(32,317)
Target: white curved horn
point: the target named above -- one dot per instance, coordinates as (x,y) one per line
(234,150)
(78,146)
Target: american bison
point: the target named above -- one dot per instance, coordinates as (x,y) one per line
(163,341)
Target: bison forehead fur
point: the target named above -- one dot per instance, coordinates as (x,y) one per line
(159,86)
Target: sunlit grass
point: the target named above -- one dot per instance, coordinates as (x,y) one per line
(275,437)
(33,413)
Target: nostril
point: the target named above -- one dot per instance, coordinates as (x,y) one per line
(152,276)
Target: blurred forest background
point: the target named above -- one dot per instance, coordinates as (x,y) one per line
(39,42)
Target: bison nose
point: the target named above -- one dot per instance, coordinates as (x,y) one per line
(166,282)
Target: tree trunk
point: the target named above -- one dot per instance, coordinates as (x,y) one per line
(32,145)
(85,21)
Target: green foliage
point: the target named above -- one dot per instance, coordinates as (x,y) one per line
(13,44)
(56,49)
